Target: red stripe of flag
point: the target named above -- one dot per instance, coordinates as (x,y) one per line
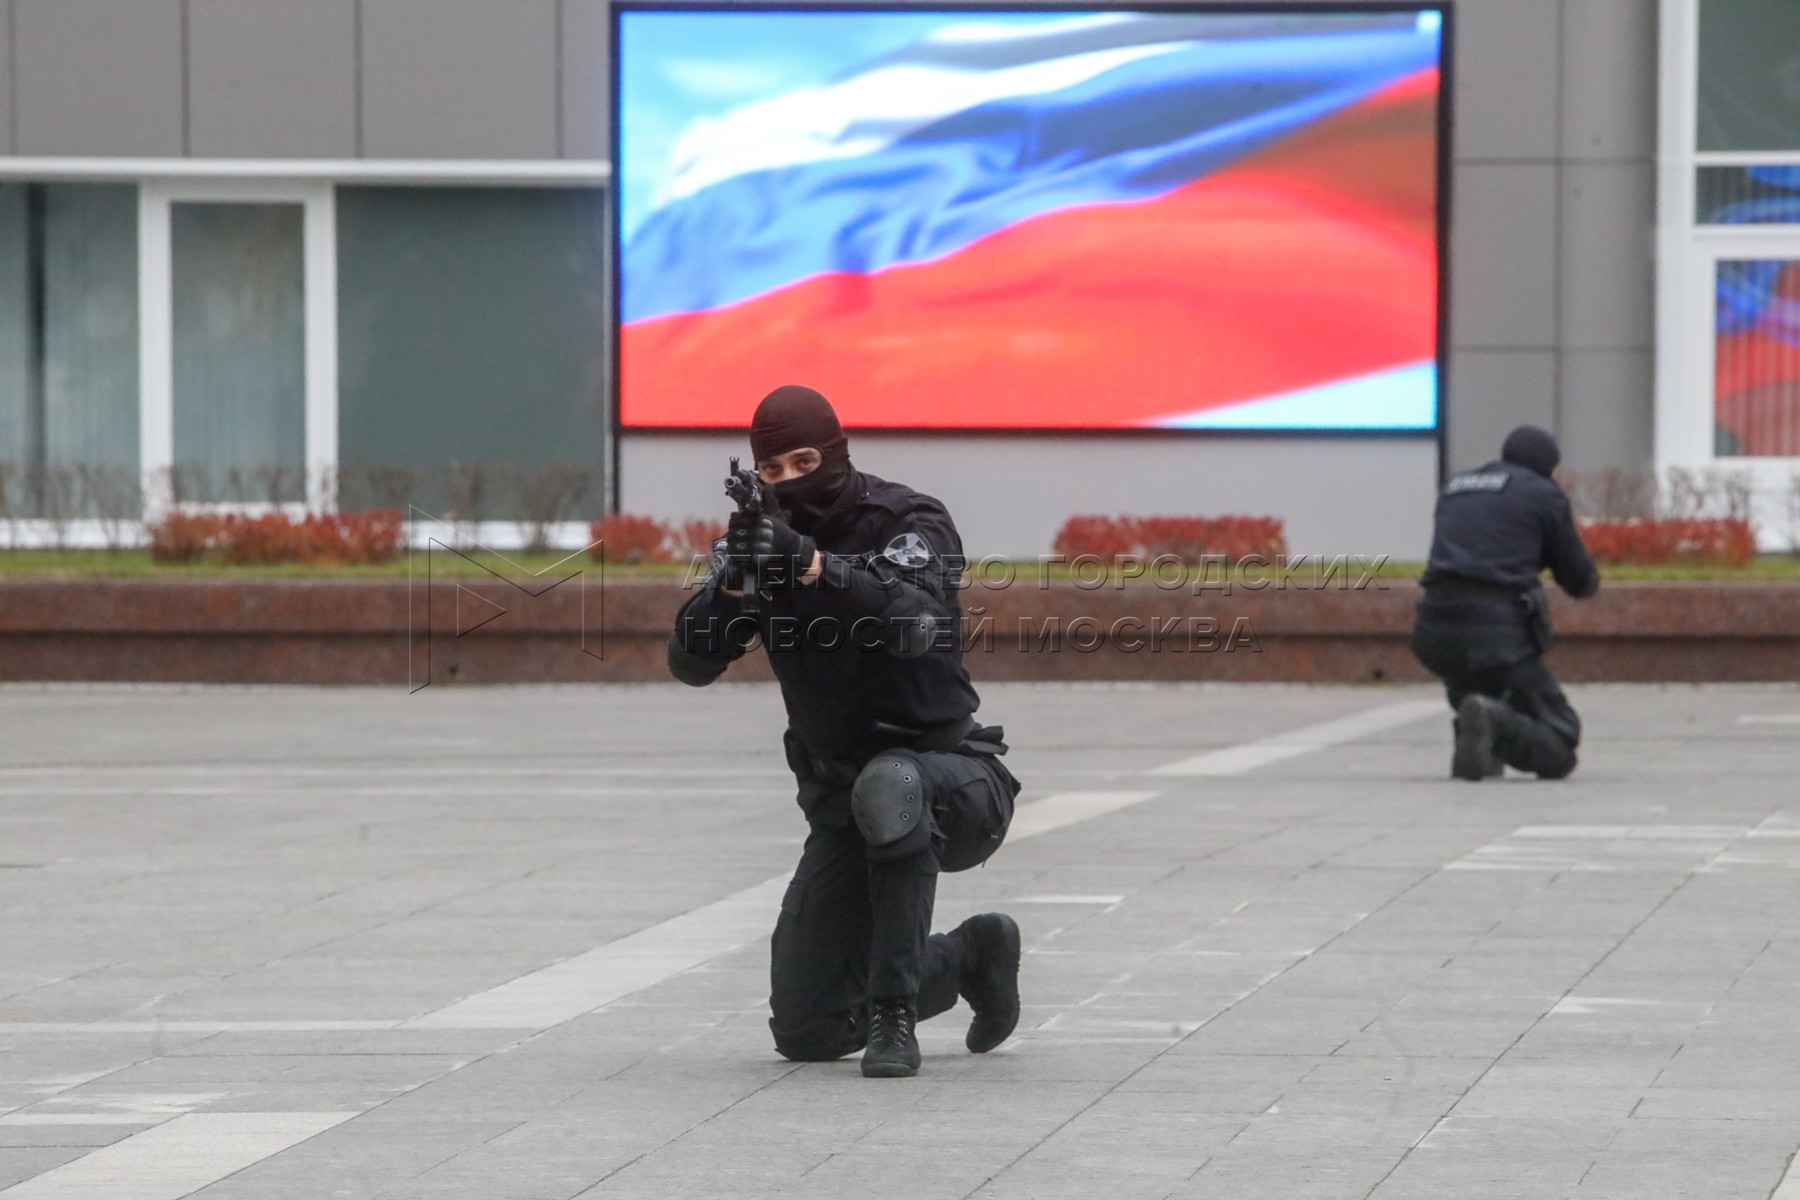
(1310,262)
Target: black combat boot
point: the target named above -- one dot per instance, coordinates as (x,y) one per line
(1496,768)
(1477,721)
(990,980)
(893,1051)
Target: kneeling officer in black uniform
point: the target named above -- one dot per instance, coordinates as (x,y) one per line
(853,590)
(1484,623)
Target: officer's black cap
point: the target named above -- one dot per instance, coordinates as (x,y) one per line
(1529,446)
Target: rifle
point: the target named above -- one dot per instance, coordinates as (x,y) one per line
(746,491)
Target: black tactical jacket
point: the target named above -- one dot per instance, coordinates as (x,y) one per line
(1502,525)
(870,653)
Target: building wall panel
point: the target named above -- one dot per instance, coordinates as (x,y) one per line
(1503,268)
(1010,495)
(459,79)
(98,77)
(272,78)
(1609,79)
(1491,392)
(586,75)
(6,78)
(1608,402)
(1607,255)
(1505,77)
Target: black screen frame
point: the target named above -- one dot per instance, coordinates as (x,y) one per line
(1437,432)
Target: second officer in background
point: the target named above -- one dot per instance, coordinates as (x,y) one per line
(1483,625)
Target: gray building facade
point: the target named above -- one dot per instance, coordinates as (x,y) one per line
(449,153)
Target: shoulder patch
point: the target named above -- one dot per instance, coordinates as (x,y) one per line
(1477,481)
(908,550)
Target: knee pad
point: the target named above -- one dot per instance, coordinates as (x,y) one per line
(889,804)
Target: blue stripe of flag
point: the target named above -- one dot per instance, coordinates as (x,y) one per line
(1132,133)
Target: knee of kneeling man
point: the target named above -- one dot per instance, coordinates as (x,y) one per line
(891,805)
(819,1040)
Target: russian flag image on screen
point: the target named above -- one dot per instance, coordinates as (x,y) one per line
(1019,220)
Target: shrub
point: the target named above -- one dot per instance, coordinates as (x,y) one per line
(1719,542)
(267,539)
(183,537)
(360,537)
(1187,538)
(623,537)
(1088,535)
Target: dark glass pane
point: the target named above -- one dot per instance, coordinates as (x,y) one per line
(471,354)
(68,349)
(1749,94)
(238,296)
(1767,194)
(1756,358)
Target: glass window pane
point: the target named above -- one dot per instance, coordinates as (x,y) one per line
(1749,94)
(91,324)
(471,365)
(69,348)
(1756,358)
(238,297)
(20,395)
(1764,194)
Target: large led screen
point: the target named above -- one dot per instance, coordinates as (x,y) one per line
(1031,219)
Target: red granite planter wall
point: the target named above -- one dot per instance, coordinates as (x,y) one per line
(386,633)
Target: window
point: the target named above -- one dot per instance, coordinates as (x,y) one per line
(238,352)
(1756,364)
(472,376)
(68,350)
(1749,75)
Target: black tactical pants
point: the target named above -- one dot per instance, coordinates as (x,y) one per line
(1486,649)
(854,925)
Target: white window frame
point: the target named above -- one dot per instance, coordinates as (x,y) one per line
(156,364)
(1687,258)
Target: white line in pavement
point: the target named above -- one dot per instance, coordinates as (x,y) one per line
(1236,760)
(1769,719)
(1068,808)
(1067,899)
(78,1118)
(576,986)
(522,787)
(177,1157)
(1789,1187)
(568,989)
(200,1027)
(351,767)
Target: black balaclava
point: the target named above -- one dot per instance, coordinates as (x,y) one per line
(790,418)
(1531,447)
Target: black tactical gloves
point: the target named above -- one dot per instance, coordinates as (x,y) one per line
(779,553)
(782,553)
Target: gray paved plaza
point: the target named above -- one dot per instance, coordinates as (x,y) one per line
(502,944)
